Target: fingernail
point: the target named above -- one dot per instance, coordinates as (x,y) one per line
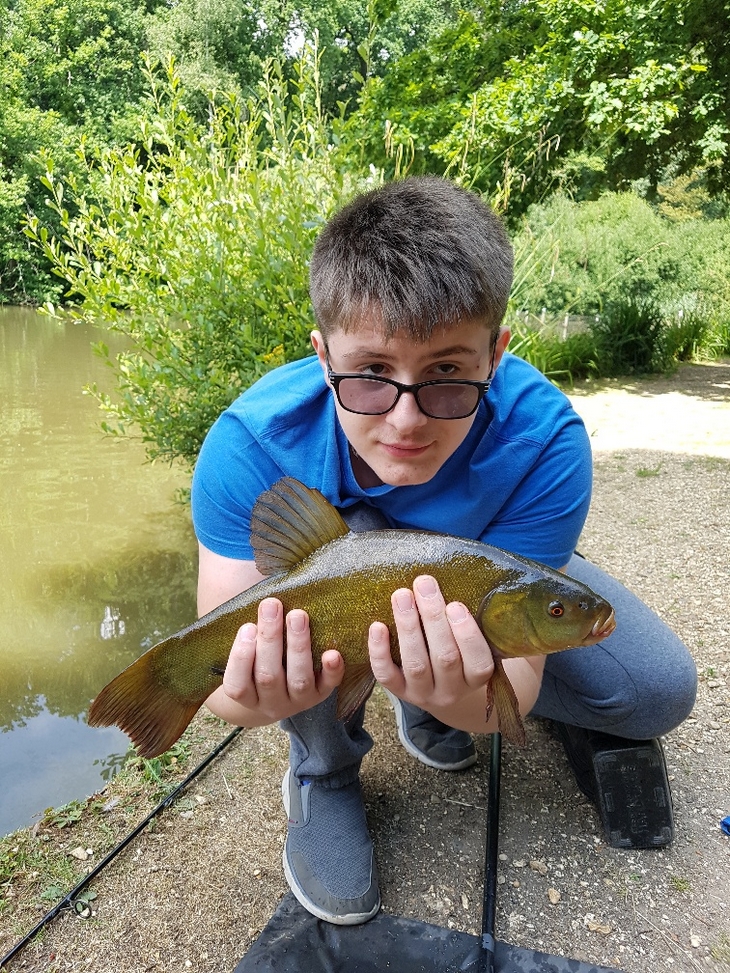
(404,601)
(296,622)
(269,609)
(248,632)
(427,587)
(456,612)
(376,632)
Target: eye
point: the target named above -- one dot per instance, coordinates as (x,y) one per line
(375,369)
(444,370)
(556,609)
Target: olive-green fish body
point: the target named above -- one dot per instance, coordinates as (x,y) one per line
(344,581)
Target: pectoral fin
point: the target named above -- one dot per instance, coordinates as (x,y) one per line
(501,696)
(354,689)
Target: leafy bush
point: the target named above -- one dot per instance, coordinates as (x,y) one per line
(616,257)
(562,359)
(196,247)
(629,338)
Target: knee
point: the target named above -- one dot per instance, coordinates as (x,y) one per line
(671,700)
(661,702)
(594,689)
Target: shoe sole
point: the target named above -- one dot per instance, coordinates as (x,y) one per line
(350,919)
(400,722)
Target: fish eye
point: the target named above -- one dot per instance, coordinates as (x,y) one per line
(556,609)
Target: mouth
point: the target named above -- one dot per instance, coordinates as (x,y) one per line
(602,628)
(404,450)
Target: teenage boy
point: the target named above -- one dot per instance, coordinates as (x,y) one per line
(412,414)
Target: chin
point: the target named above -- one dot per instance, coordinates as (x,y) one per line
(405,477)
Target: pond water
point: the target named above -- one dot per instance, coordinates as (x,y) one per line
(98,563)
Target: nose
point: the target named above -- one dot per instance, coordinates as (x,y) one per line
(405,414)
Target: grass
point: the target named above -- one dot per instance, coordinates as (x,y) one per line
(647,471)
(40,865)
(720,950)
(680,884)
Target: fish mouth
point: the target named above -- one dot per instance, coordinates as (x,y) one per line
(602,628)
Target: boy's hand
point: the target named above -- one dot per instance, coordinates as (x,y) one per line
(444,656)
(256,678)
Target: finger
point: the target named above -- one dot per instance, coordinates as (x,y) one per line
(386,672)
(268,669)
(333,671)
(476,654)
(300,679)
(442,646)
(238,678)
(415,662)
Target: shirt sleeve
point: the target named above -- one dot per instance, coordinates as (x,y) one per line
(231,471)
(544,516)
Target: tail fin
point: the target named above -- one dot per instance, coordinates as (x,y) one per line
(146,710)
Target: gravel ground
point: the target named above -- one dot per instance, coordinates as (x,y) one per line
(194,892)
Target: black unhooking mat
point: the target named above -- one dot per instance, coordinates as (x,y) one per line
(296,942)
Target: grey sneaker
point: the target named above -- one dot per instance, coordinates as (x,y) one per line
(328,855)
(431,741)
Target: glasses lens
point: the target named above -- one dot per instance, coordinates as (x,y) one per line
(366,395)
(448,401)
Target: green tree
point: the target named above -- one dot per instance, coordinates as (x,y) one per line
(600,94)
(586,256)
(80,59)
(66,70)
(361,40)
(197,247)
(219,45)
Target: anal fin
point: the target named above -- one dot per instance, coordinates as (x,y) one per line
(354,689)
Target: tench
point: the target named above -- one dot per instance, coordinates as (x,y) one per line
(344,581)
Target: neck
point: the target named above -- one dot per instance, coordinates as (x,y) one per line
(364,475)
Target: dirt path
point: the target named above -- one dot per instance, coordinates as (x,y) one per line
(194,892)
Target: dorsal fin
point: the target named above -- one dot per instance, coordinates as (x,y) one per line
(290,521)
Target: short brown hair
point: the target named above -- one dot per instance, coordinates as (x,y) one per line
(420,252)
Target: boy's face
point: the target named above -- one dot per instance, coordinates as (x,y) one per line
(405,447)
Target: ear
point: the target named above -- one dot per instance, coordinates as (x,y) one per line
(503,336)
(319,346)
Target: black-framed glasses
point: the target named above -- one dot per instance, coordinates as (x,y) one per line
(441,398)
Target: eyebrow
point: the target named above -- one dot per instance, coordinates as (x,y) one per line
(379,353)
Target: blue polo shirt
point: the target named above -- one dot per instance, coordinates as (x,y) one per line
(521,480)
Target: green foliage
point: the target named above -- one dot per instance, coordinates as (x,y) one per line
(585,257)
(65,815)
(362,40)
(65,70)
(516,96)
(218,45)
(196,247)
(629,337)
(561,359)
(658,290)
(687,197)
(161,771)
(79,59)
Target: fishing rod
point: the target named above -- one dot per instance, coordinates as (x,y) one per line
(71,900)
(489,907)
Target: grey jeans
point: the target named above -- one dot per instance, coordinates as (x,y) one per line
(638,683)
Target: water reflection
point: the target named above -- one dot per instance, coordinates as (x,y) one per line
(97,565)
